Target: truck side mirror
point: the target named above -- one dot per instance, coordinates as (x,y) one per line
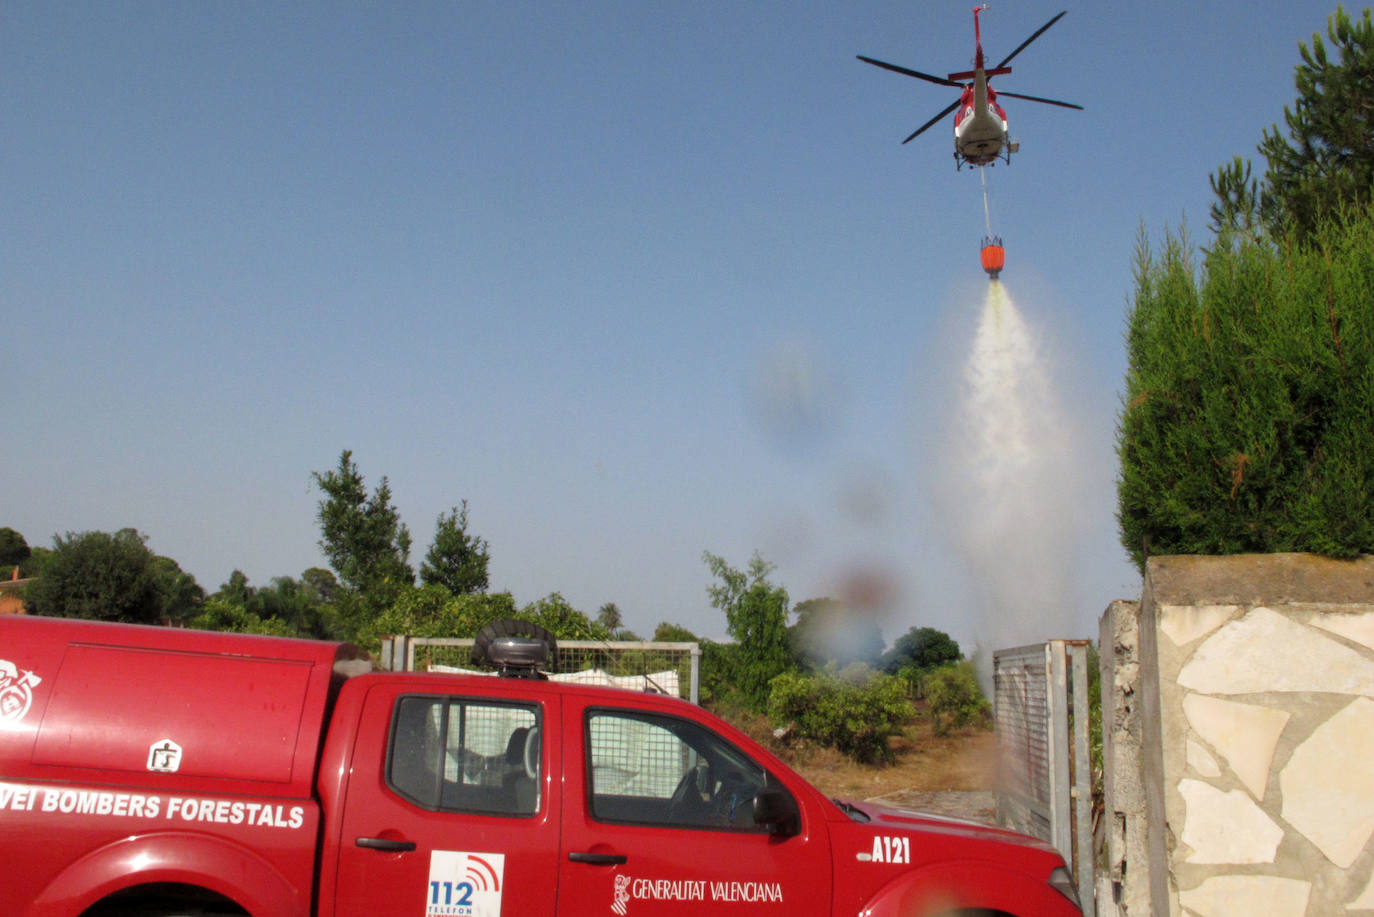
(775,809)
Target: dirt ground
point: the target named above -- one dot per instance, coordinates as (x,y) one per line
(965,761)
(949,775)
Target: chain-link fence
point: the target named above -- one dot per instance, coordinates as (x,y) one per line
(664,668)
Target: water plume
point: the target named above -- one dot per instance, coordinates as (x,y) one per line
(1010,486)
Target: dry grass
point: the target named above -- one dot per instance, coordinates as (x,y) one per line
(924,762)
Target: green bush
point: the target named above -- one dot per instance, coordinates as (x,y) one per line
(855,711)
(719,689)
(955,699)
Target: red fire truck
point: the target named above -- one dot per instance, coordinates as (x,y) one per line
(159,772)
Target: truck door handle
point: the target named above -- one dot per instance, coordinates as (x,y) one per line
(381,843)
(597,859)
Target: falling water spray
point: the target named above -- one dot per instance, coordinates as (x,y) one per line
(1012,473)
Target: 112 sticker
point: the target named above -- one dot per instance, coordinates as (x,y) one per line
(464,884)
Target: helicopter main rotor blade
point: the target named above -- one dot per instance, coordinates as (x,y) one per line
(920,130)
(938,80)
(1017,95)
(1021,47)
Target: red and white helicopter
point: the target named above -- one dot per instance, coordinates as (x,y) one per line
(980,127)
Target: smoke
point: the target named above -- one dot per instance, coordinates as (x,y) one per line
(1007,488)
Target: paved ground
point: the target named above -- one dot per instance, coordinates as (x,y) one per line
(974,805)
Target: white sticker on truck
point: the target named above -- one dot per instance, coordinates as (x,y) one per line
(164,757)
(68,801)
(889,850)
(464,884)
(16,691)
(631,888)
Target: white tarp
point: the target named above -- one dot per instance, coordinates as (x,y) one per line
(654,682)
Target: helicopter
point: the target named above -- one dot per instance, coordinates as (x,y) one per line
(980,126)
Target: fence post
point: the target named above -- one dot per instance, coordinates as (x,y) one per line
(695,695)
(1056,676)
(1084,862)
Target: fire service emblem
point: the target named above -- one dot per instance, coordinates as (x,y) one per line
(15,691)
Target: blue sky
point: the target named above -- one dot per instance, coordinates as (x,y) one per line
(635,280)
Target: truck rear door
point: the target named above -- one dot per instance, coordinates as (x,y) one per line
(450,810)
(658,821)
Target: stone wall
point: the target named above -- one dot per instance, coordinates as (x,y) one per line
(1253,711)
(1122,886)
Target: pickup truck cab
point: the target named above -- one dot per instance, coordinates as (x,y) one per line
(160,772)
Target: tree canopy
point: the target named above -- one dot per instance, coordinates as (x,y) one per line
(667,632)
(363,537)
(922,649)
(433,611)
(111,577)
(557,615)
(456,560)
(1250,397)
(1249,393)
(756,617)
(301,608)
(14,550)
(1324,162)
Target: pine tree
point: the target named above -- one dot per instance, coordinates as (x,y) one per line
(1326,161)
(456,560)
(363,537)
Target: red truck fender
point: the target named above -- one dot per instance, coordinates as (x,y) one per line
(189,859)
(951,887)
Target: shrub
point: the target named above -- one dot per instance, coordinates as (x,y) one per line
(719,687)
(856,711)
(955,699)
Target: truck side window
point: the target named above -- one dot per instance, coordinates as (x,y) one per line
(660,770)
(453,754)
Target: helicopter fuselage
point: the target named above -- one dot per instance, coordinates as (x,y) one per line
(980,124)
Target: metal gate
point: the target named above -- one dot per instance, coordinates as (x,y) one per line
(1041,710)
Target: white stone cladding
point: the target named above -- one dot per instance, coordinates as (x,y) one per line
(1259,672)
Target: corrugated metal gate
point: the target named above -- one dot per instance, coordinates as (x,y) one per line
(1045,786)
